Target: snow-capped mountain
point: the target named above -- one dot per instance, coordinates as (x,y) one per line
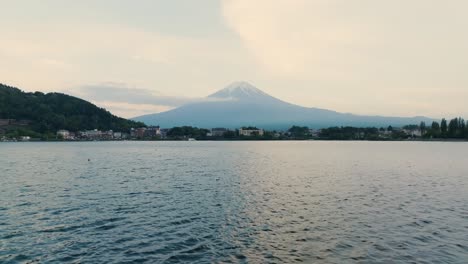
(242,104)
(240,91)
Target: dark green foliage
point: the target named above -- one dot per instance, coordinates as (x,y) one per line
(422,127)
(19,132)
(411,127)
(466,131)
(268,135)
(456,128)
(250,128)
(187,131)
(299,132)
(350,133)
(433,131)
(50,112)
(443,127)
(230,134)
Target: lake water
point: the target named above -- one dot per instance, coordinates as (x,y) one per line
(238,202)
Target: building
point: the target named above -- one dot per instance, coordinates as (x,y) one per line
(139,132)
(91,134)
(117,135)
(413,132)
(217,132)
(107,135)
(315,132)
(152,131)
(250,131)
(164,132)
(64,134)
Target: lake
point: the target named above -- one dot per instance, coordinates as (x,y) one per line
(234,202)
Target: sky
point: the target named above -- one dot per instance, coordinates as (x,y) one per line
(373,57)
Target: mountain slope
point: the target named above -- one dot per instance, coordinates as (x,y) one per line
(241,104)
(53,111)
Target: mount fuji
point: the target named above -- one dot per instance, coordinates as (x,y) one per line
(242,104)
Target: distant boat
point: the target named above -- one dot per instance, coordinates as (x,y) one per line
(192,139)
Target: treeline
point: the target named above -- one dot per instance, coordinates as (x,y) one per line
(187,131)
(50,112)
(350,133)
(456,128)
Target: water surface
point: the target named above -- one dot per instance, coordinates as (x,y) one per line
(239,202)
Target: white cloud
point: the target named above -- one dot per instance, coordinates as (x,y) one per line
(121,92)
(128,110)
(130,101)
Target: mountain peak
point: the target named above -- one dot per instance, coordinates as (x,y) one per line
(239,90)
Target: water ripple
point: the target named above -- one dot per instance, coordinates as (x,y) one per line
(234,202)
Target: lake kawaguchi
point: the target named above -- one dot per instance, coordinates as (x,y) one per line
(234,202)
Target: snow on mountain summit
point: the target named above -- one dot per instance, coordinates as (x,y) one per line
(239,90)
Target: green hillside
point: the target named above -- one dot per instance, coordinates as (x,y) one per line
(50,112)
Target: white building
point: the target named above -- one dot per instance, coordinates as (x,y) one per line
(117,135)
(413,133)
(65,134)
(91,134)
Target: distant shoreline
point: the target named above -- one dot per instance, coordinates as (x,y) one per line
(244,140)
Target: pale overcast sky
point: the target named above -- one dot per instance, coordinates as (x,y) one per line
(393,57)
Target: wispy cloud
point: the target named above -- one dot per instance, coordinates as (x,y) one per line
(129,101)
(131,110)
(119,92)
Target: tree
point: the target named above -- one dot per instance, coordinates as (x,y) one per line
(461,127)
(229,134)
(466,131)
(443,127)
(411,127)
(422,128)
(187,131)
(435,129)
(299,132)
(453,128)
(350,133)
(50,112)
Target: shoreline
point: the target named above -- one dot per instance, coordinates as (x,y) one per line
(233,140)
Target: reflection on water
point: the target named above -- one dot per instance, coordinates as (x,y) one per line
(321,202)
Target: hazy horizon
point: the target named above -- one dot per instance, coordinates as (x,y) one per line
(393,58)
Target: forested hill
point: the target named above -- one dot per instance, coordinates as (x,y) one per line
(50,112)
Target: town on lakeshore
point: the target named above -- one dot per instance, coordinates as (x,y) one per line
(455,129)
(27,116)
